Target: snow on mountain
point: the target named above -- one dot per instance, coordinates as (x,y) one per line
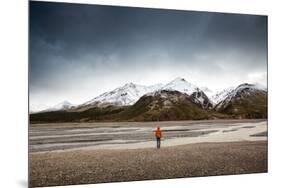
(65,105)
(125,95)
(181,85)
(207,91)
(202,99)
(246,89)
(130,93)
(221,95)
(251,87)
(33,108)
(155,87)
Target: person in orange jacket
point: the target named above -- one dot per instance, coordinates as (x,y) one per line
(158,135)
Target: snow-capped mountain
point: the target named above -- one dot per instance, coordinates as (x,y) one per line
(177,100)
(65,105)
(181,85)
(240,92)
(165,105)
(131,93)
(122,96)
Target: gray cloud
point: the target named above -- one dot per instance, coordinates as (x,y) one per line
(79,51)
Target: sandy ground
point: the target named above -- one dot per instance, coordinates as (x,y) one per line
(97,166)
(81,153)
(133,135)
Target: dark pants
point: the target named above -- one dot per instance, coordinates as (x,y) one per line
(158,142)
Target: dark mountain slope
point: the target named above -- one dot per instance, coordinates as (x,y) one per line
(165,105)
(246,101)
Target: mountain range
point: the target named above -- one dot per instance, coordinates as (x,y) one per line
(176,100)
(129,94)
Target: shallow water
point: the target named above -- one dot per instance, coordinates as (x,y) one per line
(132,135)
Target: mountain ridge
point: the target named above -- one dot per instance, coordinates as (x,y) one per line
(245,101)
(130,93)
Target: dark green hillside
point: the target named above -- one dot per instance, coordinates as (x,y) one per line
(164,106)
(93,114)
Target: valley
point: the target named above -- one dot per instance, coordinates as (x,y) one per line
(134,135)
(82,153)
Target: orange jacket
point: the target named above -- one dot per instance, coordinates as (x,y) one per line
(158,132)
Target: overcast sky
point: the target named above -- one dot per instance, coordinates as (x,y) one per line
(80,51)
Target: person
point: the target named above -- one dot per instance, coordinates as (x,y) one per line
(158,135)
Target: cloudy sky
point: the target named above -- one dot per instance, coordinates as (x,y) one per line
(80,51)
